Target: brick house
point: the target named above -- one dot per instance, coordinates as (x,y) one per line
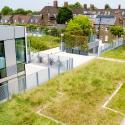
(49,14)
(21,19)
(35,19)
(102,25)
(6,19)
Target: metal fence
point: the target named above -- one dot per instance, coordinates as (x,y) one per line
(54,66)
(110,46)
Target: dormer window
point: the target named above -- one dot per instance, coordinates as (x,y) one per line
(123,12)
(22,21)
(31,20)
(48,14)
(36,21)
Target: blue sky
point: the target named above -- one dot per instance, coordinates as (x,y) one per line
(38,4)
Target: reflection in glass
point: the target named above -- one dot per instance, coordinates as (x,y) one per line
(2,61)
(20,54)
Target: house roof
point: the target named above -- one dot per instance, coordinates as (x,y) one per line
(105,16)
(105,20)
(77,11)
(20,18)
(35,19)
(49,9)
(6,17)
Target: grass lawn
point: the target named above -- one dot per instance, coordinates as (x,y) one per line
(75,98)
(118,102)
(43,43)
(118,53)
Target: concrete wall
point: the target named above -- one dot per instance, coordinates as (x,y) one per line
(11,32)
(8,34)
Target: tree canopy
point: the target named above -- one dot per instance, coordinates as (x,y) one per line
(74,6)
(22,11)
(6,10)
(117,31)
(107,6)
(77,32)
(9,11)
(80,23)
(64,15)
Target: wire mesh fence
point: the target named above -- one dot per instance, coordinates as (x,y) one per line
(55,65)
(110,46)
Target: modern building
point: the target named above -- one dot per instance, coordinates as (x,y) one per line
(12,59)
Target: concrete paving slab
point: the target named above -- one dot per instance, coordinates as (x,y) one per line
(33,68)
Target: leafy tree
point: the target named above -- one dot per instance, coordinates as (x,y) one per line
(80,23)
(28,11)
(77,32)
(64,15)
(107,6)
(6,10)
(117,31)
(74,6)
(20,11)
(32,27)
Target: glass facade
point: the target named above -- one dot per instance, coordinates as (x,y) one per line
(2,60)
(20,54)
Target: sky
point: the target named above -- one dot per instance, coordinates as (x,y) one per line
(37,5)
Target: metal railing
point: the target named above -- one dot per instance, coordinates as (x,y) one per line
(110,46)
(54,66)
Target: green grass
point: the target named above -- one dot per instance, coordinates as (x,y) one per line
(75,98)
(118,53)
(118,102)
(43,43)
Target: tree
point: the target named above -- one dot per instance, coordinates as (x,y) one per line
(6,10)
(74,6)
(64,15)
(80,23)
(117,31)
(20,11)
(107,6)
(77,32)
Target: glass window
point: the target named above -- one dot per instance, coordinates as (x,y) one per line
(2,60)
(20,54)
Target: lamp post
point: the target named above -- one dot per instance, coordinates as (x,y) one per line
(62,43)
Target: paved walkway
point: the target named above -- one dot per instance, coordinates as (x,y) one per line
(111,59)
(77,59)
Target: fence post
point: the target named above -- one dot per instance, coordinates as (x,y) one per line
(48,67)
(67,64)
(37,78)
(98,51)
(8,95)
(72,63)
(59,65)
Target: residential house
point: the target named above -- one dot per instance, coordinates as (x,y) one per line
(21,19)
(12,60)
(102,25)
(6,19)
(35,19)
(49,14)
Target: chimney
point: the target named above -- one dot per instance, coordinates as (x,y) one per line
(92,6)
(85,6)
(55,3)
(119,7)
(66,4)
